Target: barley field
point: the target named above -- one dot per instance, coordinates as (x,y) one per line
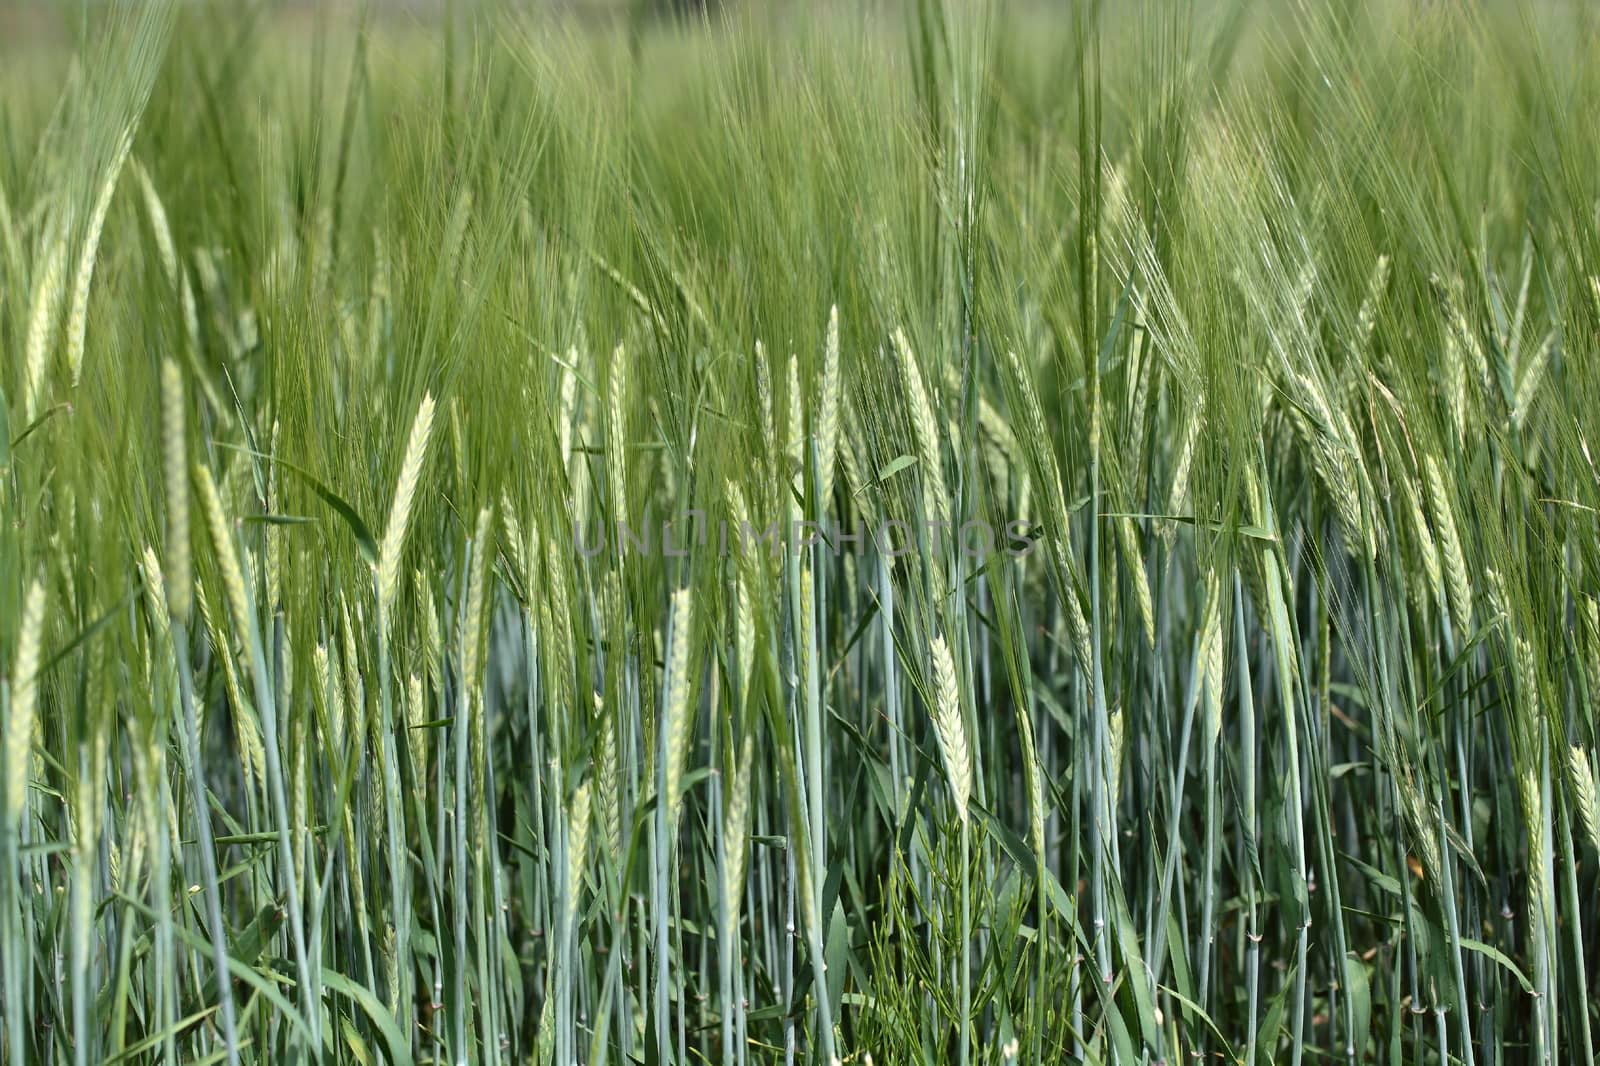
(936,532)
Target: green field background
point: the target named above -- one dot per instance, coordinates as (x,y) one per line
(331,333)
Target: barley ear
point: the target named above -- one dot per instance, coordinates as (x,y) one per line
(455,234)
(78,310)
(675,721)
(166,249)
(1455,563)
(1210,656)
(1367,318)
(1589,608)
(1533,822)
(1532,377)
(1585,797)
(227,553)
(745,633)
(764,399)
(935,497)
(1128,538)
(1178,495)
(416,713)
(616,433)
(796,429)
(828,416)
(1033,776)
(1038,439)
(1117,731)
(42,323)
(152,583)
(736,827)
(179,570)
(477,595)
(405,492)
(577,846)
(21,722)
(951,728)
(568,408)
(1425,542)
(609,773)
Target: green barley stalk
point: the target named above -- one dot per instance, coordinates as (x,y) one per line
(242,614)
(1212,663)
(950,727)
(673,747)
(814,870)
(577,849)
(1282,632)
(472,767)
(387,578)
(1046,470)
(735,841)
(180,604)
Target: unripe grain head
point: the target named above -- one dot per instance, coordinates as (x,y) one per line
(950,727)
(405,493)
(21,722)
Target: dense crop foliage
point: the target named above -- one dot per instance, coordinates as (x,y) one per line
(409,654)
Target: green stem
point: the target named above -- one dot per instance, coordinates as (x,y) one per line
(203,841)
